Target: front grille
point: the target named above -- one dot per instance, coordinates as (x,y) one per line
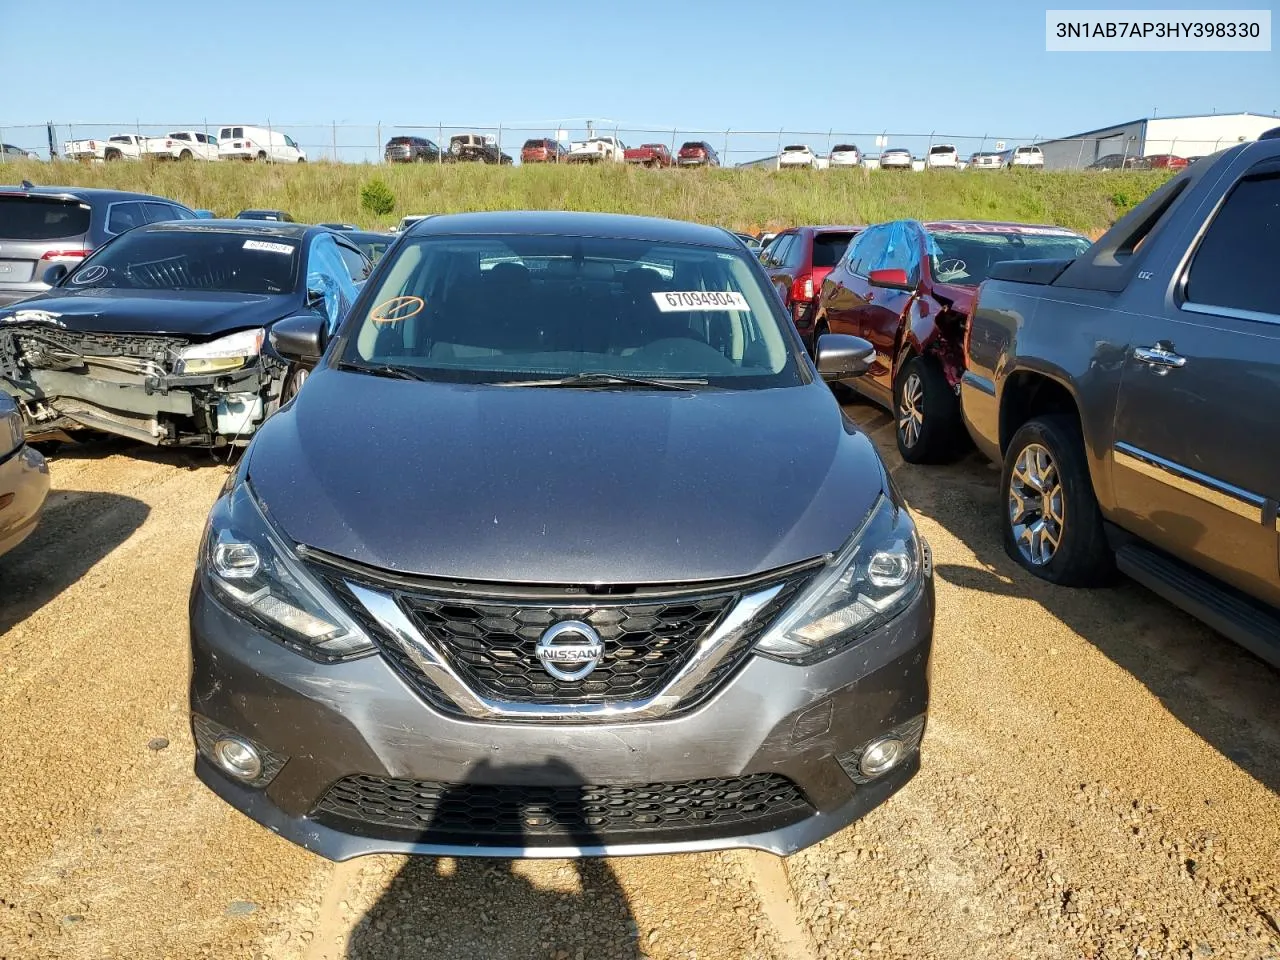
(490,642)
(498,815)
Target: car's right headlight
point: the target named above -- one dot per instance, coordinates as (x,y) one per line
(253,573)
(874,578)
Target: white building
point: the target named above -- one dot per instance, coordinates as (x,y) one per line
(1192,136)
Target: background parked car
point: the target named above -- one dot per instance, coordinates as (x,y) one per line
(121,146)
(988,161)
(1025,157)
(648,155)
(598,149)
(280,216)
(1166,161)
(797,261)
(206,215)
(942,156)
(24,478)
(9,152)
(907,288)
(1137,429)
(475,148)
(846,155)
(697,153)
(1118,161)
(797,155)
(43,226)
(411,150)
(175,319)
(407,222)
(181,145)
(543,150)
(895,158)
(258,143)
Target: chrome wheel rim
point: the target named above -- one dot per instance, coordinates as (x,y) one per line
(299,378)
(1036,508)
(911,410)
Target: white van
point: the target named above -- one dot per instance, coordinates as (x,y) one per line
(258,143)
(943,155)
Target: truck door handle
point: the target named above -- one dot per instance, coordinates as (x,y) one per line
(1159,356)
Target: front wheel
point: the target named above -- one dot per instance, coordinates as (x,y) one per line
(292,384)
(1052,524)
(928,413)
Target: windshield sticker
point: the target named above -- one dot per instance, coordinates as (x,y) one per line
(700,300)
(268,246)
(90,274)
(397,309)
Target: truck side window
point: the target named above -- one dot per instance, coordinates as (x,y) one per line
(1235,264)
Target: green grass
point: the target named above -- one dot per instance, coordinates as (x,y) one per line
(748,200)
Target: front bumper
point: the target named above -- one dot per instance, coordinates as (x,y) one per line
(24,484)
(171,410)
(331,722)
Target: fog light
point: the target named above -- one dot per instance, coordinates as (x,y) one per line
(881,756)
(238,758)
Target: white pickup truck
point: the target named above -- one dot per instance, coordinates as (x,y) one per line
(182,145)
(609,149)
(122,146)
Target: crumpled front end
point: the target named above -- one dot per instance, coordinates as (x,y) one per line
(133,385)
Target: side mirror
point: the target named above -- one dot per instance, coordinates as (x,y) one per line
(300,339)
(54,274)
(895,278)
(842,357)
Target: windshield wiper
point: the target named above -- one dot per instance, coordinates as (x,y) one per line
(610,380)
(382,370)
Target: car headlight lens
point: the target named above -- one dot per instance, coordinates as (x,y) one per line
(252,571)
(13,431)
(873,579)
(226,353)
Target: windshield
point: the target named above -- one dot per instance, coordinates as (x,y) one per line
(192,260)
(966,258)
(510,308)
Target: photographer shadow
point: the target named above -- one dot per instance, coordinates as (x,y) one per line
(478,908)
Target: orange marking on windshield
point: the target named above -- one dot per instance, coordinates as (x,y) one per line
(397,309)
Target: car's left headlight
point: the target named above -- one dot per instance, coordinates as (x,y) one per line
(253,572)
(873,579)
(226,353)
(13,432)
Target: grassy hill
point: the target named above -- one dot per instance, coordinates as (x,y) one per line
(748,200)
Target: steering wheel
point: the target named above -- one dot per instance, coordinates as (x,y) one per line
(952,267)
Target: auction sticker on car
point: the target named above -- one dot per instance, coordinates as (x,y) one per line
(268,246)
(674,301)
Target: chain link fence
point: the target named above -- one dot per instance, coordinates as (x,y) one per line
(365,143)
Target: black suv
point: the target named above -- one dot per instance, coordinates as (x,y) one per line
(411,150)
(1129,394)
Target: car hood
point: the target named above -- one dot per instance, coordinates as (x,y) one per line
(563,486)
(194,314)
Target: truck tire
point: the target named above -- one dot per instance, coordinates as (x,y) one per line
(262,156)
(112,154)
(927,412)
(1050,519)
(185,155)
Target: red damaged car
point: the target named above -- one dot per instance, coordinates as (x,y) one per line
(908,287)
(797,260)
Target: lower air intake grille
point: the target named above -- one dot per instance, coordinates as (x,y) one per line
(502,815)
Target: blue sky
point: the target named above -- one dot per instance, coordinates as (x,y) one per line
(930,65)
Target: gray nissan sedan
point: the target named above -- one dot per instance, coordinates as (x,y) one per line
(564,549)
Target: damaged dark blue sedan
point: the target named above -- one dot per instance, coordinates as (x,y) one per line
(566,549)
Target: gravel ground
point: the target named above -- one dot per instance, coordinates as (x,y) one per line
(1100,780)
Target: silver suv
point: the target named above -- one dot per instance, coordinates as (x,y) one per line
(44,226)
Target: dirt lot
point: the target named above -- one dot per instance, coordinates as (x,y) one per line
(1101,779)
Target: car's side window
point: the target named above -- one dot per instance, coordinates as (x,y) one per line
(125,216)
(1234,266)
(870,247)
(289,141)
(157,212)
(779,249)
(899,251)
(358,266)
(798,250)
